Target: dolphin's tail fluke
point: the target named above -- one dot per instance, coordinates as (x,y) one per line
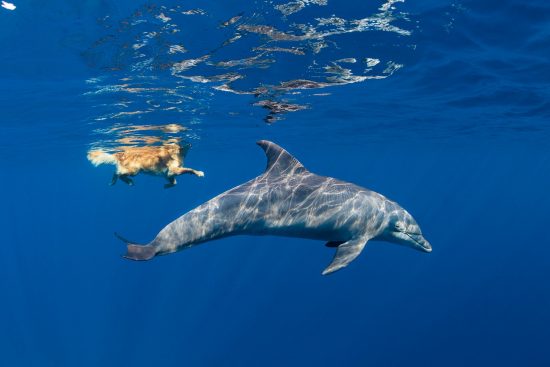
(137,252)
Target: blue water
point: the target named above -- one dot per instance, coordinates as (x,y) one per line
(444,109)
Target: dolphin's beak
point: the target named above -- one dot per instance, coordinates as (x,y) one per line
(421,242)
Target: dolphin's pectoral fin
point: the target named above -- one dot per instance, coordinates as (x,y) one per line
(333,244)
(345,253)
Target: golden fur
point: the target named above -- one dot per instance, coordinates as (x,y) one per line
(162,160)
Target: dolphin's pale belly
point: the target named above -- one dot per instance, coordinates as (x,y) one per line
(300,231)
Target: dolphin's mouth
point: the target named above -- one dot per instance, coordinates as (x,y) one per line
(420,241)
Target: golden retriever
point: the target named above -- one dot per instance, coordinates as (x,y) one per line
(161,160)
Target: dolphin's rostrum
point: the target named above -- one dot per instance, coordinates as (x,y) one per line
(288,200)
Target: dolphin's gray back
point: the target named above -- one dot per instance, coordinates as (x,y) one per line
(302,204)
(287,200)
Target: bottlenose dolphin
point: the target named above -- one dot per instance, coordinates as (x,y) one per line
(288,200)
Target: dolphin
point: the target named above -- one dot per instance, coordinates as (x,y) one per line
(288,200)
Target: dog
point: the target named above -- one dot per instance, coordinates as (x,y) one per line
(160,160)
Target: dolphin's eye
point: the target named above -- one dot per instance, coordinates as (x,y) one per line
(400,226)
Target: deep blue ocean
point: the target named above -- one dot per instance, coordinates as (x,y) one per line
(442,106)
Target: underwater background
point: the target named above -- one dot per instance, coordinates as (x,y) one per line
(442,106)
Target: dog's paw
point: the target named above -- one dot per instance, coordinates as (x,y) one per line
(199,173)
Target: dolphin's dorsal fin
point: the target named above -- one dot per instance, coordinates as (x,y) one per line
(279,161)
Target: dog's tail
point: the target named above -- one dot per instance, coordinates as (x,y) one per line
(98,156)
(137,252)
